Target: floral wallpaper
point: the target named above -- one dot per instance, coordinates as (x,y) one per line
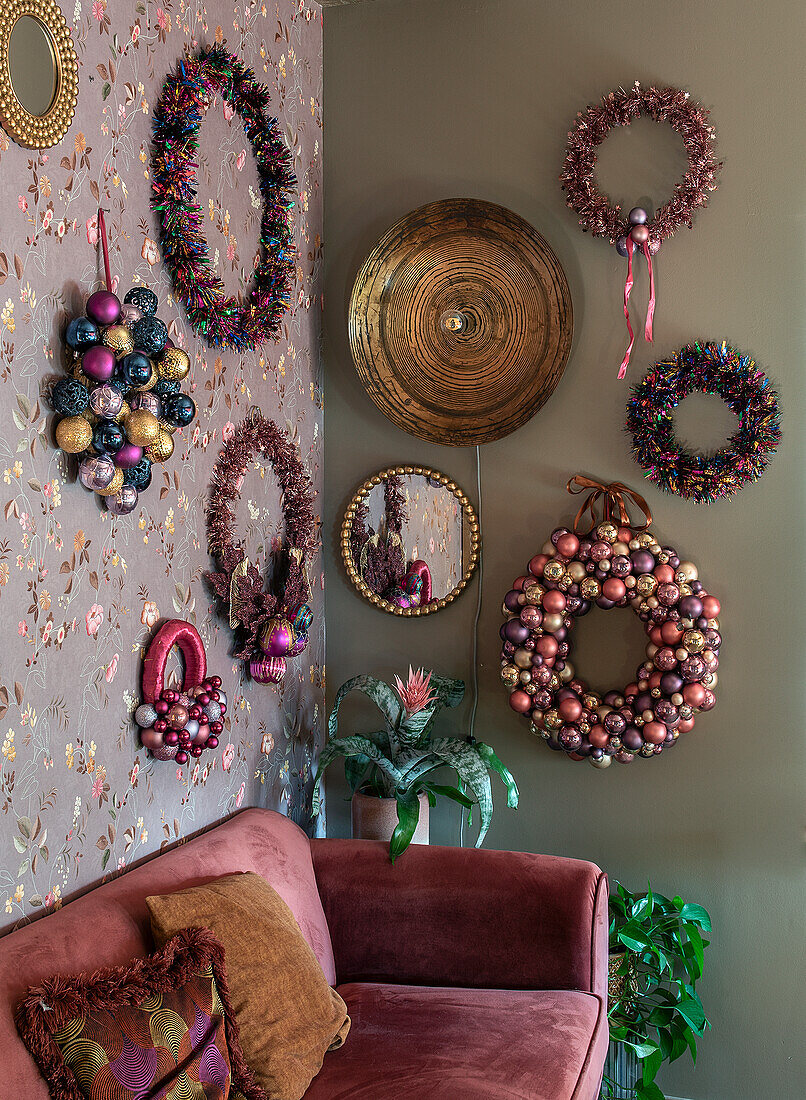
(81,590)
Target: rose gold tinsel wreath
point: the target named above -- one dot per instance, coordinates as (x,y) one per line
(620,108)
(256,605)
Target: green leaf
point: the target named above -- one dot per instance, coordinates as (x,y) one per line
(107,88)
(450,792)
(105,858)
(408,814)
(24,825)
(351,746)
(692,1012)
(467,764)
(642,1050)
(491,760)
(20,844)
(697,914)
(632,942)
(650,1067)
(648,1092)
(355,768)
(380,693)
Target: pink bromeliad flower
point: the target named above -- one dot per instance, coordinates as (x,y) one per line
(415,694)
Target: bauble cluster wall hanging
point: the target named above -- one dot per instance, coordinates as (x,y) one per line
(609,562)
(747,391)
(122,403)
(637,232)
(175,725)
(273,628)
(223,320)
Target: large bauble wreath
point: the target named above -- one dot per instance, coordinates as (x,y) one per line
(273,627)
(610,563)
(223,320)
(709,368)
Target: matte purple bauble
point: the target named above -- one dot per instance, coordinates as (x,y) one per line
(98,363)
(670,683)
(516,632)
(103,307)
(622,244)
(128,455)
(123,501)
(690,607)
(148,401)
(129,313)
(642,561)
(637,216)
(277,638)
(106,400)
(267,670)
(95,473)
(512,600)
(632,739)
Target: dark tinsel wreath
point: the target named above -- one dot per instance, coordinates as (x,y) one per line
(224,321)
(277,626)
(620,108)
(710,368)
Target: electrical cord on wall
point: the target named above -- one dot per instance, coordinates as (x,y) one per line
(475,670)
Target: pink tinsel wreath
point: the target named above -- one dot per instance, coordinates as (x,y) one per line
(620,108)
(256,605)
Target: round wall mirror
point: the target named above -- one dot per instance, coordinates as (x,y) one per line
(38,72)
(410,540)
(33,65)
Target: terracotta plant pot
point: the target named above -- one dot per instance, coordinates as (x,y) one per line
(375,818)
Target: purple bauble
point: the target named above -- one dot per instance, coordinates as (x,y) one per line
(123,501)
(148,401)
(129,313)
(516,632)
(642,561)
(103,307)
(670,683)
(128,455)
(690,607)
(637,216)
(98,363)
(622,244)
(512,600)
(632,739)
(692,669)
(106,400)
(267,670)
(277,638)
(299,645)
(96,472)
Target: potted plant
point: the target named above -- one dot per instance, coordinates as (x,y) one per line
(655,1013)
(393,768)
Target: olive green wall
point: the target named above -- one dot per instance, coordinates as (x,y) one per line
(427,100)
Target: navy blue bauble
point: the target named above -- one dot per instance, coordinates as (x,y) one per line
(144,299)
(166,386)
(69,397)
(140,475)
(81,333)
(149,335)
(179,409)
(135,370)
(108,437)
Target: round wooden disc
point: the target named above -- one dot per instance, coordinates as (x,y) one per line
(461,322)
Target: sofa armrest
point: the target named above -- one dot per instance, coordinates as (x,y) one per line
(463,917)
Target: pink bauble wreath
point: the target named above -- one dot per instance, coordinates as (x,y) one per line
(609,562)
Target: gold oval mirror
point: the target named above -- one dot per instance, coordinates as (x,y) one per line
(38,72)
(410,540)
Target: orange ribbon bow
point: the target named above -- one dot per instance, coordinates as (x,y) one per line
(614,506)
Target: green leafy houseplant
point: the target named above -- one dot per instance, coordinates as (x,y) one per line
(399,760)
(654,1008)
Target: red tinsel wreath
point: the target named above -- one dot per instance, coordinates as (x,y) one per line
(620,108)
(255,604)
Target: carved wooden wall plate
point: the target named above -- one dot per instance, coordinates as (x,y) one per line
(461,322)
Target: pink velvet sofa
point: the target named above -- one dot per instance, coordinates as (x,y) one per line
(468,974)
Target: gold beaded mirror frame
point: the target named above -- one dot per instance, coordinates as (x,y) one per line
(38,72)
(410,540)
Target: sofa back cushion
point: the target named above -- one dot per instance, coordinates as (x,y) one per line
(110,925)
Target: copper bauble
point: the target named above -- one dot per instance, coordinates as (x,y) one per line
(73,434)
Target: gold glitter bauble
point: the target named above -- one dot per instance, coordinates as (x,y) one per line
(162,450)
(113,486)
(607,532)
(553,570)
(646,584)
(174,364)
(73,434)
(119,339)
(151,383)
(125,410)
(166,426)
(142,427)
(694,641)
(590,588)
(510,675)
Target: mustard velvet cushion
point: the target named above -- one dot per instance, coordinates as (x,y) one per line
(287,1014)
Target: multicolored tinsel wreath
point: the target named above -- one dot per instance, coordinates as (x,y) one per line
(224,321)
(715,369)
(273,628)
(620,108)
